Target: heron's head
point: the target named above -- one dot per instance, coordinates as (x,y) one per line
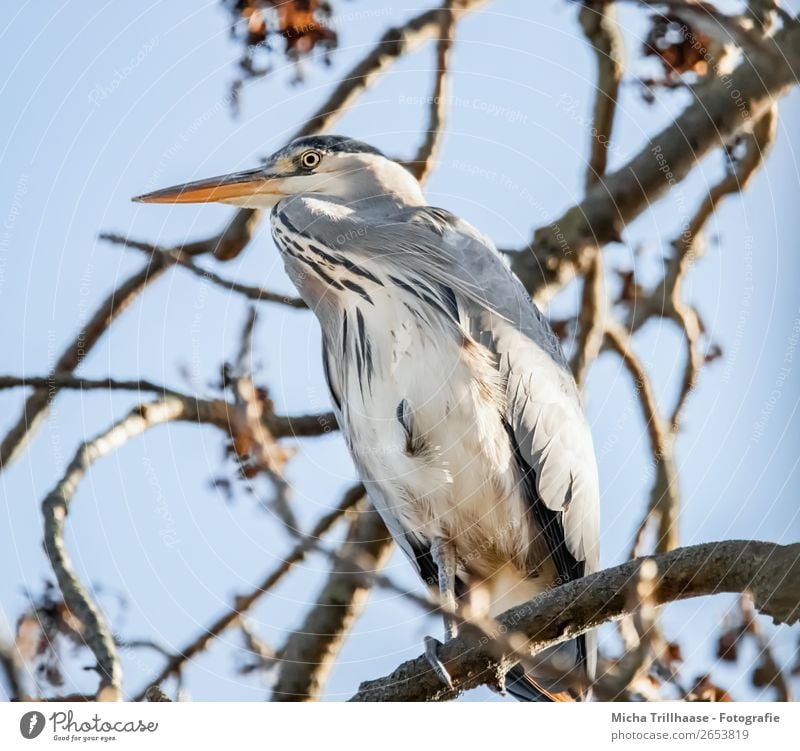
(330,166)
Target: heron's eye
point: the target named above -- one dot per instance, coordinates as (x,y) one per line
(310,159)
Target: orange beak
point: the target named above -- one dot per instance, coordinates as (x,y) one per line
(238,188)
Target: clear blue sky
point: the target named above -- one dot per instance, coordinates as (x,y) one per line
(103,101)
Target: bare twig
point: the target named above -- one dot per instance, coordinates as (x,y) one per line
(154,693)
(665,494)
(599,24)
(689,247)
(771,572)
(642,639)
(666,301)
(425,159)
(266,657)
(236,235)
(179,257)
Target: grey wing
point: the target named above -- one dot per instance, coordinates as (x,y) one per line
(545,421)
(543,411)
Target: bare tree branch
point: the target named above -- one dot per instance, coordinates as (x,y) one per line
(561,249)
(12,667)
(281,426)
(36,405)
(243,603)
(770,572)
(54,508)
(599,24)
(770,674)
(310,652)
(666,301)
(642,639)
(689,247)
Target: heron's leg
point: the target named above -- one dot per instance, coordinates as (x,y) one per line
(444,556)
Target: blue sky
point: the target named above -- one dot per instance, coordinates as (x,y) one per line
(104,101)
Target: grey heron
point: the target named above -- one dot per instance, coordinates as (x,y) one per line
(451,390)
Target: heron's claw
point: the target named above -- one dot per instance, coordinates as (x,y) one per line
(432,656)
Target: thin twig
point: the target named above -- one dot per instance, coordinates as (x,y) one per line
(178,257)
(599,24)
(54,508)
(665,493)
(426,156)
(775,677)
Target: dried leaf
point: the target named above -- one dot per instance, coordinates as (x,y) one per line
(728,644)
(705,690)
(679,48)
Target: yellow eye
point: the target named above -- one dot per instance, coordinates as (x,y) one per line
(310,159)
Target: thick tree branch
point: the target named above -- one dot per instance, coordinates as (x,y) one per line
(771,573)
(721,109)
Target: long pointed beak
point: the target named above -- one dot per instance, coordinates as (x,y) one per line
(237,188)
